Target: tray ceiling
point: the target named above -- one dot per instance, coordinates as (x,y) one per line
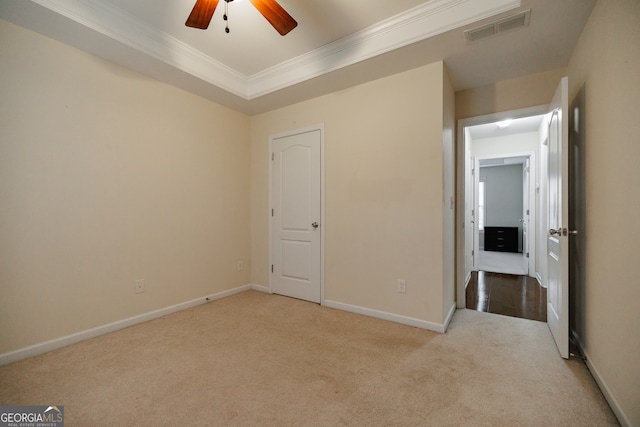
(336,43)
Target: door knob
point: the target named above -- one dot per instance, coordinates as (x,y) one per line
(560,232)
(314,225)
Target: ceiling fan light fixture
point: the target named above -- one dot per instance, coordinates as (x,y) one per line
(279,18)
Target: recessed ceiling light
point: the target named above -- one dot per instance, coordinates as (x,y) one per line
(504,124)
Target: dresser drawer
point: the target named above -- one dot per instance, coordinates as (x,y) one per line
(501,239)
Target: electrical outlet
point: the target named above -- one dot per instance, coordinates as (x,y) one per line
(240,265)
(139,286)
(402,286)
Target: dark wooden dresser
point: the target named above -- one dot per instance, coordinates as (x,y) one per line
(501,239)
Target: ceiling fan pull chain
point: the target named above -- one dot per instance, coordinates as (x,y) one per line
(226,15)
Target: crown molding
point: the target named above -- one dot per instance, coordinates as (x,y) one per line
(430,19)
(114,23)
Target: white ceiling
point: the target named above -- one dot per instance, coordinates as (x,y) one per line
(513,127)
(337,43)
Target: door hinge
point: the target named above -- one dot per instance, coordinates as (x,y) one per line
(273,156)
(473,253)
(272,268)
(271,212)
(527,211)
(527,254)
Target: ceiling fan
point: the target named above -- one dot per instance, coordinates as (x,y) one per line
(202,12)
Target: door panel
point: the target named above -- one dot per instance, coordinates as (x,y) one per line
(296,259)
(295,220)
(296,168)
(558,217)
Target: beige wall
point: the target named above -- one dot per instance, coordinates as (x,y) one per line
(384,191)
(507,95)
(107,176)
(607,62)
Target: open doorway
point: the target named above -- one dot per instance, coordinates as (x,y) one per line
(503,195)
(502,205)
(551,229)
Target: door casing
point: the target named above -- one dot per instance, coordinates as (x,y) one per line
(462,159)
(530,195)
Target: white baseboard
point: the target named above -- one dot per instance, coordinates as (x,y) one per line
(261,288)
(613,402)
(452,311)
(405,320)
(37,349)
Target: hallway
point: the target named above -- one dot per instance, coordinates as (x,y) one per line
(507,294)
(501,262)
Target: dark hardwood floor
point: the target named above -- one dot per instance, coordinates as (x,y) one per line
(507,294)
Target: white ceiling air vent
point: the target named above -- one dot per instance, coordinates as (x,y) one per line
(498,27)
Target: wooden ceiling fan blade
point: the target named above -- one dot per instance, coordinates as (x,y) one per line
(276,15)
(201,14)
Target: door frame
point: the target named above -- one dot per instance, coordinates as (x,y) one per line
(533,217)
(462,277)
(318,127)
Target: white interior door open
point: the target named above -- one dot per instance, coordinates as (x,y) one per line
(296,215)
(526,218)
(558,217)
(468,219)
(477,216)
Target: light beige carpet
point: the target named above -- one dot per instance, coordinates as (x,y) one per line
(264,360)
